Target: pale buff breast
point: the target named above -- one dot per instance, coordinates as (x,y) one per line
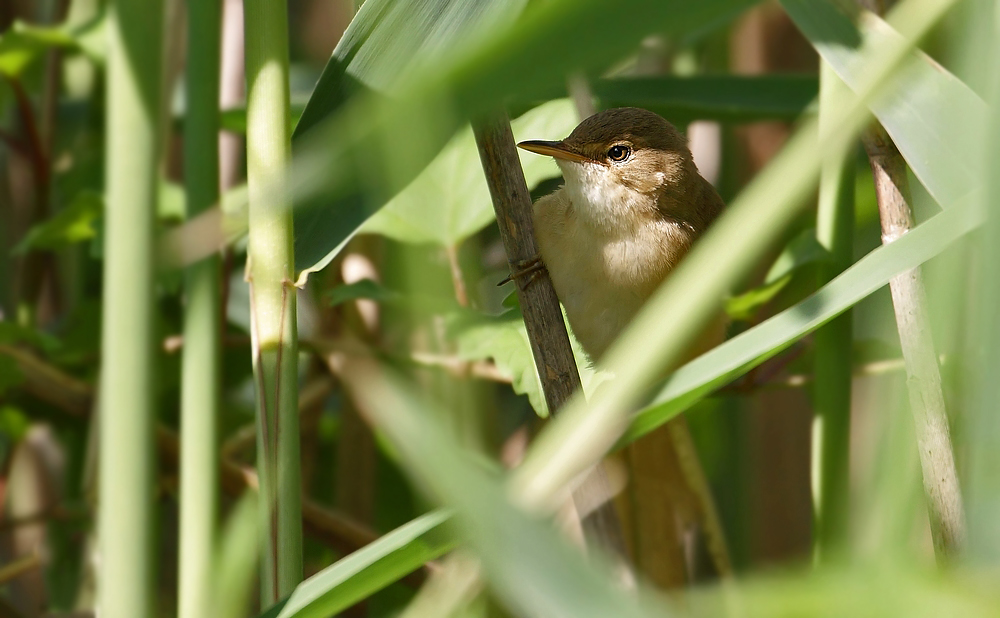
(602,275)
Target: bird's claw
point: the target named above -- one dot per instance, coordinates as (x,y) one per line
(524,272)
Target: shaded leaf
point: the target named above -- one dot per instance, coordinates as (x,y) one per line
(797,262)
(10,374)
(746,305)
(729,98)
(366,288)
(802,250)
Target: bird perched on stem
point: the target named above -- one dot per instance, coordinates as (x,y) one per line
(632,204)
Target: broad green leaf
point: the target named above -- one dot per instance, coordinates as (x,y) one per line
(933,119)
(388,39)
(369,569)
(729,98)
(505,340)
(73,224)
(449,201)
(697,379)
(374,147)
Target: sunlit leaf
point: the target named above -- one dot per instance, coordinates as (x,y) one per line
(505,340)
(934,119)
(797,260)
(369,569)
(73,224)
(449,201)
(20,45)
(23,43)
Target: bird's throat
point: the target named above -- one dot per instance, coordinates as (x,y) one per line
(601,200)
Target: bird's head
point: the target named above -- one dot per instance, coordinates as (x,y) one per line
(622,161)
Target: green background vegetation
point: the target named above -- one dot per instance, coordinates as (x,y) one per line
(253,360)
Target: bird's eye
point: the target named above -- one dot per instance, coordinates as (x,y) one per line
(619,153)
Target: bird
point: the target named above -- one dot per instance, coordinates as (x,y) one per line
(631,206)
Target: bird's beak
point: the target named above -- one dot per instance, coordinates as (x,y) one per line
(559,150)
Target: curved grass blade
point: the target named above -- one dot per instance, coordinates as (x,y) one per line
(388,38)
(727,98)
(369,569)
(933,120)
(700,377)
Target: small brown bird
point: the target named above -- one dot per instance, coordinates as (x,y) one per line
(632,204)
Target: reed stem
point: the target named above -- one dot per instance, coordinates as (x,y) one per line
(125,513)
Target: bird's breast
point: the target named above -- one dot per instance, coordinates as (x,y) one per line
(602,276)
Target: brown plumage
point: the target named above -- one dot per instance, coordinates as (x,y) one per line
(632,204)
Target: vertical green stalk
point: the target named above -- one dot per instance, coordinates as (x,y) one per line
(125,517)
(272,296)
(832,390)
(983,425)
(201,372)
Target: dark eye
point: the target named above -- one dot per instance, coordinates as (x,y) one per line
(619,153)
